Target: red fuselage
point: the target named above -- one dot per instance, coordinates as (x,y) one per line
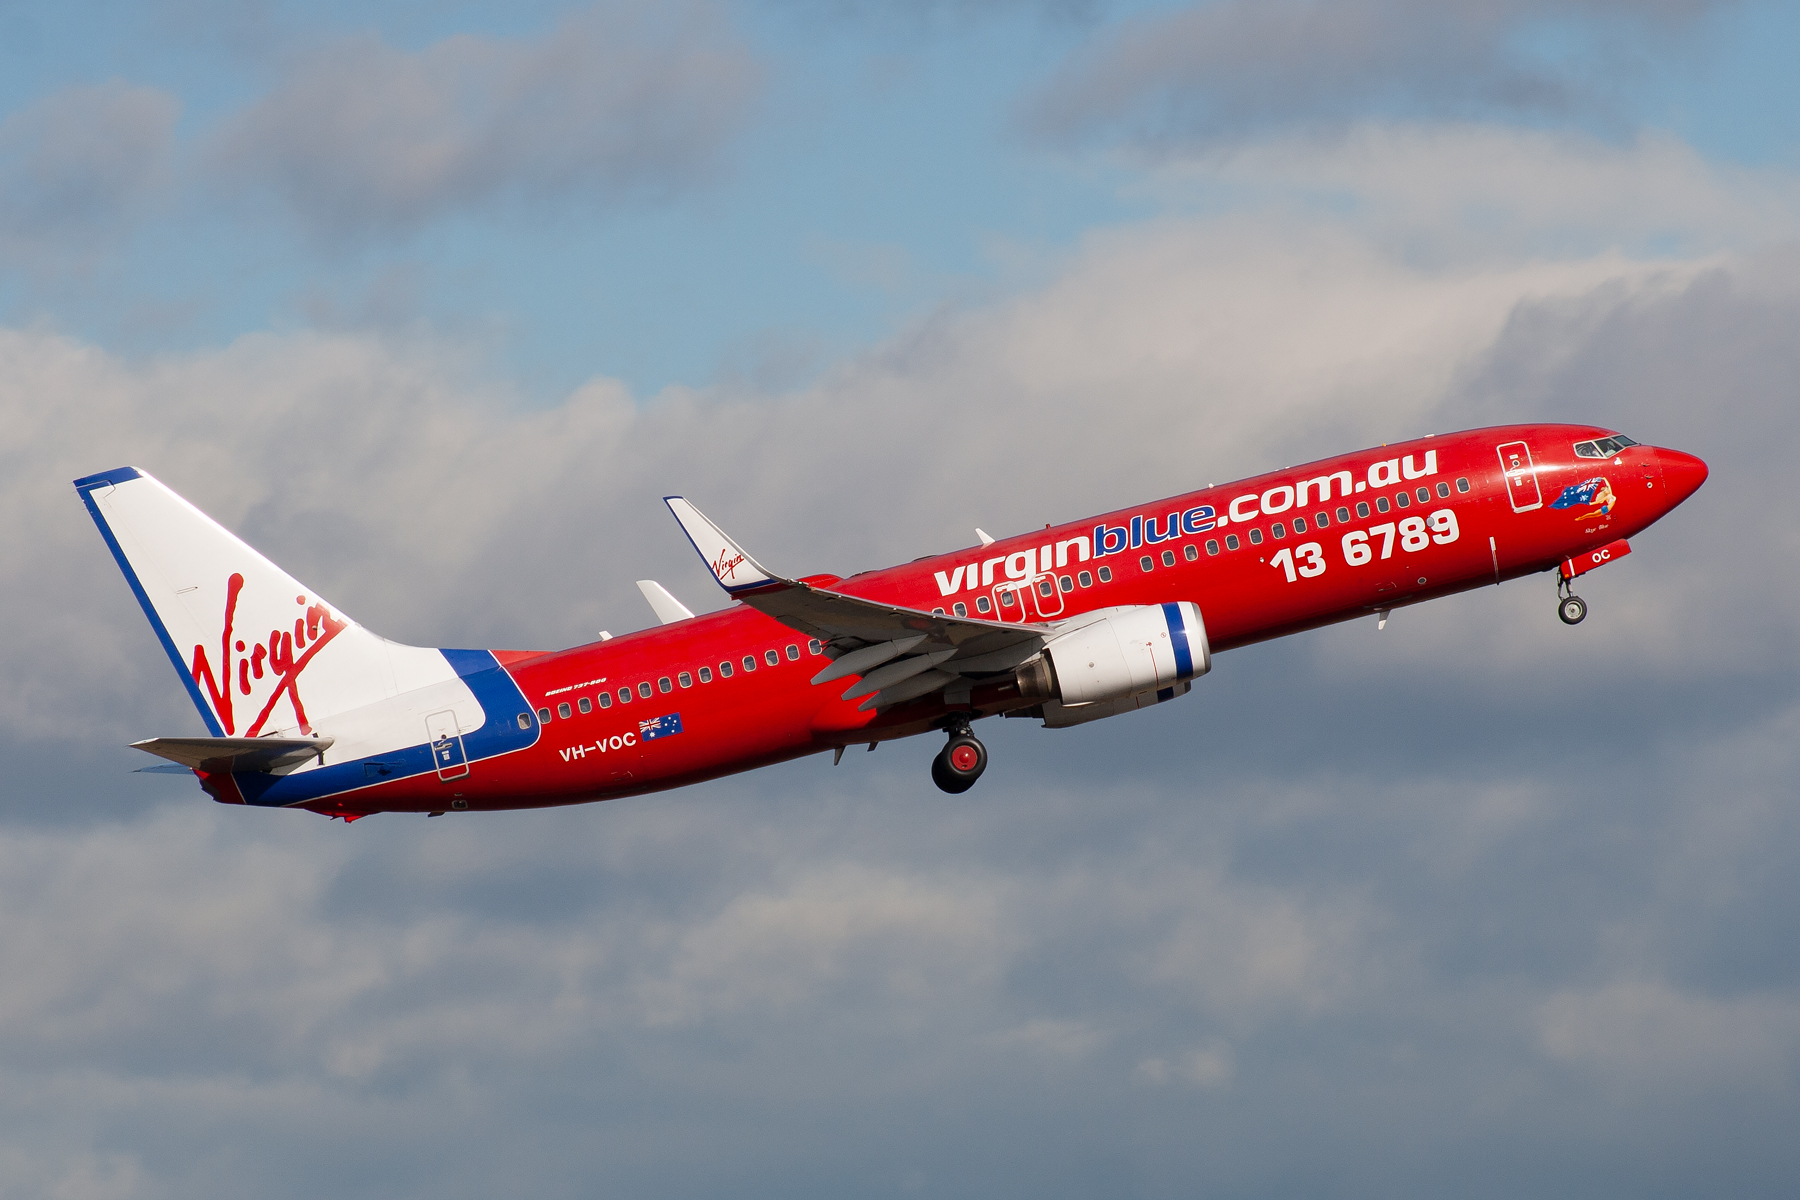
(1262,557)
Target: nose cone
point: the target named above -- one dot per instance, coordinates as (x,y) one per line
(1682,474)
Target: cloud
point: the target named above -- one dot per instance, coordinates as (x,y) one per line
(1220,71)
(78,166)
(614,104)
(1646,1031)
(1449,901)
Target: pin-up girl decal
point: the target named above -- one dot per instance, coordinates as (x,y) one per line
(1594,491)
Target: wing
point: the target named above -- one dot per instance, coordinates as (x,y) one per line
(901,653)
(235,753)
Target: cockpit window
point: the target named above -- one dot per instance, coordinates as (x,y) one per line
(1604,447)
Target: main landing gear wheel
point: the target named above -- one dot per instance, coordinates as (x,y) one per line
(1571,609)
(960,763)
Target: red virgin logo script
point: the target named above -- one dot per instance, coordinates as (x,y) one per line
(273,659)
(726,568)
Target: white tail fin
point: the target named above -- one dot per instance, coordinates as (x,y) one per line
(259,651)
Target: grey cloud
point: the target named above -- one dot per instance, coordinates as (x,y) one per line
(1225,70)
(613,104)
(78,166)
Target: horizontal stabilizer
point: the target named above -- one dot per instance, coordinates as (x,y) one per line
(233,754)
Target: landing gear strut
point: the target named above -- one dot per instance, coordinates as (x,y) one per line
(962,760)
(1571,608)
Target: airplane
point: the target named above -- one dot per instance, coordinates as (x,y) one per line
(304,708)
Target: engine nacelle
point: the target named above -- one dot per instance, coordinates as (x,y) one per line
(1118,653)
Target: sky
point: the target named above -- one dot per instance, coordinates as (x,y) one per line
(432,302)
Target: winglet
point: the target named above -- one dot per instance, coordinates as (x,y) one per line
(735,570)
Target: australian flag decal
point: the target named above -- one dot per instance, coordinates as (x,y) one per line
(659,727)
(1585,492)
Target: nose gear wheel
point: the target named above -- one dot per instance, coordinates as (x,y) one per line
(1570,607)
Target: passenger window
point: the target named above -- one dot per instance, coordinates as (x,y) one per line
(664,686)
(937,612)
(1146,562)
(1321,521)
(562,710)
(1191,551)
(772,658)
(960,609)
(605,699)
(685,679)
(524,720)
(1362,508)
(1046,588)
(1105,574)
(1343,516)
(624,695)
(813,647)
(981,604)
(1231,542)
(585,705)
(724,670)
(1443,490)
(1278,529)
(543,715)
(1068,585)
(793,653)
(1168,557)
(749,662)
(644,689)
(1424,495)
(1256,537)
(1085,579)
(1462,485)
(1381,504)
(1212,546)
(1400,498)
(1299,524)
(705,674)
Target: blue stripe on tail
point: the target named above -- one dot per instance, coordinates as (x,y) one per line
(85,487)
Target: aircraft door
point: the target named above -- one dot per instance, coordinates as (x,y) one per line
(1046,596)
(1521,476)
(445,737)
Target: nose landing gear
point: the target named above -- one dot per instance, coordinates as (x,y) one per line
(1571,608)
(960,763)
